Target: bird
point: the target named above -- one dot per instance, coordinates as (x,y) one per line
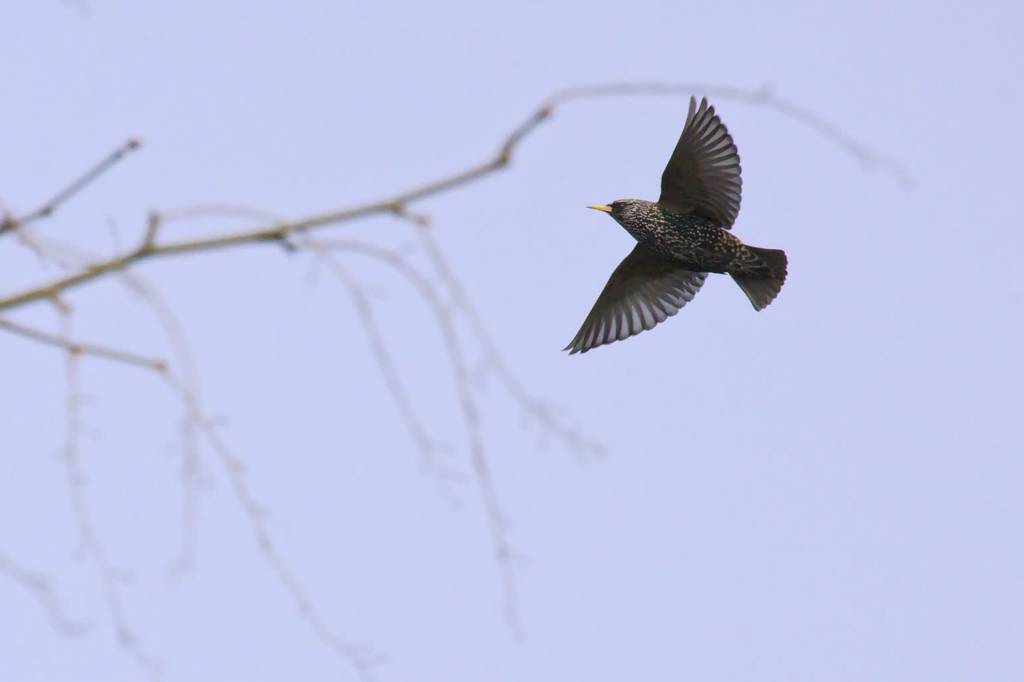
(681,237)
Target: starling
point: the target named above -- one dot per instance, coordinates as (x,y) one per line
(680,238)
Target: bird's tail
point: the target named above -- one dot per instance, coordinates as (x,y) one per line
(762,276)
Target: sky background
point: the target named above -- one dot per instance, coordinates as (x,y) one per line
(828,489)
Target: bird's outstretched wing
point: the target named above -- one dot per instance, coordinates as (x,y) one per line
(644,290)
(703,175)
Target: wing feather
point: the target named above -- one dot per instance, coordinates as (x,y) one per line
(644,290)
(703,175)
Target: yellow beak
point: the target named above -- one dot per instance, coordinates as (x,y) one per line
(601,207)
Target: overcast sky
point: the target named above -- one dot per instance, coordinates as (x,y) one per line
(827,489)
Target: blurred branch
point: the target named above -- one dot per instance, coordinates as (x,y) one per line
(39,586)
(467,403)
(190,476)
(362,659)
(414,424)
(91,545)
(80,348)
(764,97)
(188,376)
(544,416)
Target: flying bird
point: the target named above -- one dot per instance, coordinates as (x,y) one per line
(681,237)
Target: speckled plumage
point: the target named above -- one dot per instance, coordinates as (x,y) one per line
(680,238)
(693,240)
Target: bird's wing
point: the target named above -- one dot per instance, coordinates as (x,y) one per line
(703,175)
(644,290)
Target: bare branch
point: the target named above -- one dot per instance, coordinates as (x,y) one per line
(184,361)
(467,403)
(152,227)
(424,443)
(233,211)
(9,223)
(764,96)
(189,476)
(278,231)
(48,250)
(188,375)
(361,658)
(94,550)
(537,409)
(39,586)
(81,348)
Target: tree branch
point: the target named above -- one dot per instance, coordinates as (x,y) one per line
(93,548)
(414,424)
(9,223)
(534,407)
(362,659)
(764,96)
(278,231)
(39,586)
(81,348)
(460,373)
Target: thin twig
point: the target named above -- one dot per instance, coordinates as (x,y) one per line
(50,251)
(361,658)
(764,96)
(467,403)
(39,586)
(190,464)
(82,348)
(188,375)
(184,358)
(9,223)
(425,444)
(189,475)
(126,637)
(533,406)
(207,211)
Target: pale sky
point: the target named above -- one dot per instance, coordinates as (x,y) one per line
(829,489)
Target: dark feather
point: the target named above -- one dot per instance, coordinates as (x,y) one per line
(703,174)
(643,291)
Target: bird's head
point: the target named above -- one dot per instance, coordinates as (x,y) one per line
(618,208)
